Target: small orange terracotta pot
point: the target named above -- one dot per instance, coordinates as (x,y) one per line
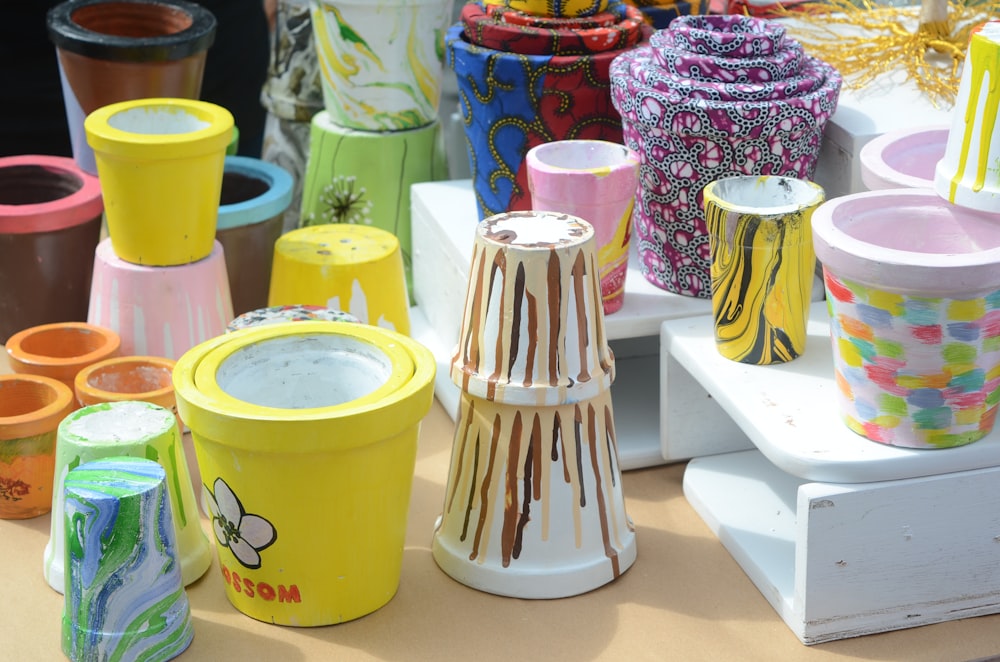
(31,408)
(61,350)
(143,378)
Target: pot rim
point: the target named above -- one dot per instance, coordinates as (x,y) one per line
(103,137)
(82,381)
(41,420)
(878,173)
(338,427)
(66,34)
(807,194)
(275,200)
(57,365)
(84,204)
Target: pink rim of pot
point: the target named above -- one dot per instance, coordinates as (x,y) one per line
(82,202)
(903,159)
(728,35)
(712,67)
(485,30)
(908,241)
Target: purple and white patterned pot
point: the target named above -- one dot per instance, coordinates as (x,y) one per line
(713,97)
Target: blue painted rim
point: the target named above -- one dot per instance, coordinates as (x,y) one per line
(267,205)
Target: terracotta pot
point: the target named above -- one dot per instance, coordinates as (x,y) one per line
(143,378)
(60,350)
(31,408)
(50,223)
(119,50)
(255,195)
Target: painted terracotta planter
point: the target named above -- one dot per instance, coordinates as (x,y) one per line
(119,50)
(141,378)
(708,98)
(903,159)
(763,265)
(597,181)
(160,311)
(50,223)
(913,287)
(536,425)
(341,437)
(381,60)
(61,350)
(255,195)
(354,268)
(127,428)
(161,164)
(122,575)
(364,177)
(967,175)
(30,410)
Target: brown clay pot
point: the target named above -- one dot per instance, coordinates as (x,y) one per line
(50,224)
(60,350)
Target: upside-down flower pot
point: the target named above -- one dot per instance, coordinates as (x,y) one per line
(161,162)
(712,97)
(307,485)
(117,50)
(913,288)
(381,60)
(50,223)
(255,195)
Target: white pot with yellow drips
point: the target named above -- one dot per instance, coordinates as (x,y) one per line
(534,505)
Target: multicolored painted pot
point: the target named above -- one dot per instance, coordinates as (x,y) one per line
(118,50)
(535,372)
(554,8)
(31,408)
(763,265)
(913,288)
(903,159)
(597,181)
(364,177)
(50,223)
(337,441)
(124,596)
(709,98)
(128,428)
(255,195)
(354,268)
(381,60)
(967,175)
(160,311)
(296,313)
(61,350)
(161,163)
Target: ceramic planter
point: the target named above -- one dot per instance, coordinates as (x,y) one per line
(763,265)
(61,350)
(594,180)
(161,163)
(118,50)
(913,285)
(30,410)
(536,426)
(127,428)
(122,571)
(255,195)
(381,60)
(160,311)
(354,268)
(50,223)
(290,313)
(141,378)
(967,175)
(339,442)
(713,97)
(903,159)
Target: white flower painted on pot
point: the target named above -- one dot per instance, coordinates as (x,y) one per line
(244,534)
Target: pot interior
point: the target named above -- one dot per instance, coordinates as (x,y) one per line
(237,187)
(130,378)
(21,396)
(62,343)
(765,195)
(156,120)
(304,371)
(582,154)
(35,184)
(131,19)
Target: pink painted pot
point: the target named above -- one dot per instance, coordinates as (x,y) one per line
(50,223)
(160,311)
(913,289)
(595,180)
(903,159)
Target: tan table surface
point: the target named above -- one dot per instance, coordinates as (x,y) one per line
(683,599)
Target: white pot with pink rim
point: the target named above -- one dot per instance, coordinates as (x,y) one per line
(903,159)
(913,289)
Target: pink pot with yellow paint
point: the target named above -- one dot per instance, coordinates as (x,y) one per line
(913,289)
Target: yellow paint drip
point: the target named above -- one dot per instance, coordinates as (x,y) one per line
(983,60)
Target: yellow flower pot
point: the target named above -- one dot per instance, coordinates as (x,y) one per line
(160,162)
(306,440)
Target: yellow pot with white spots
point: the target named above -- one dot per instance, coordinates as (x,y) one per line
(160,162)
(306,438)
